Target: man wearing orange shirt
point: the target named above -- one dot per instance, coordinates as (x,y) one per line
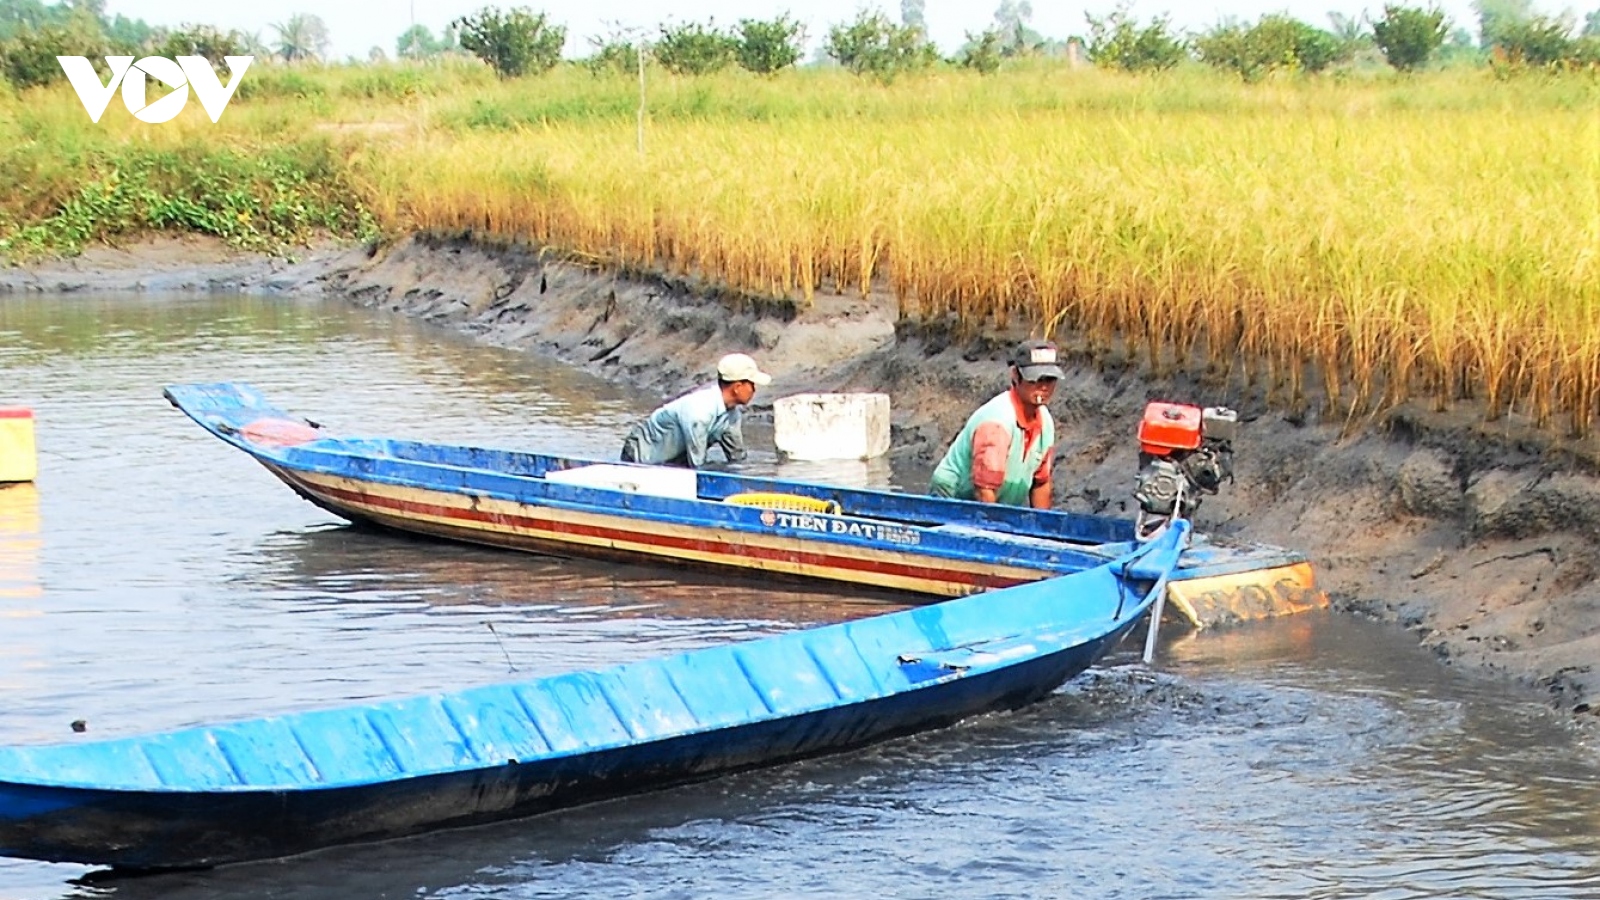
(1003,454)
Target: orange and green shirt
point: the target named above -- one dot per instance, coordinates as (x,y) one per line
(1000,451)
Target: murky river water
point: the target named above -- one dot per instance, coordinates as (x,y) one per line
(156,578)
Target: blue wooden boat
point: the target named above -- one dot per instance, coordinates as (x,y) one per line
(564,506)
(283,785)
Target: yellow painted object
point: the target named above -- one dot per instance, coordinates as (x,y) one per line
(19,547)
(1241,597)
(19,459)
(786,502)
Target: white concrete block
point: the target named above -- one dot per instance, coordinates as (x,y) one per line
(831,426)
(657,481)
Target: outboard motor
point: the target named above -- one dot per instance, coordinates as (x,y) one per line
(1184,452)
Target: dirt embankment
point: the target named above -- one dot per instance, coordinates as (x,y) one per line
(1487,545)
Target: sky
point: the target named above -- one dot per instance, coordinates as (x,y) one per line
(356,27)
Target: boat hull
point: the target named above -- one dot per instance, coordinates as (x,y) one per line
(932,547)
(153,830)
(626,536)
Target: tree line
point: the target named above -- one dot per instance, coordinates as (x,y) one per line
(1407,38)
(520,41)
(33,34)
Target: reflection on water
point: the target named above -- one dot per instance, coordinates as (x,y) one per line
(175,582)
(19,546)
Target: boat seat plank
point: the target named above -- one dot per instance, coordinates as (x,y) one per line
(881,643)
(495,728)
(582,717)
(647,702)
(111,761)
(189,759)
(419,735)
(841,663)
(345,745)
(714,688)
(549,717)
(265,753)
(785,676)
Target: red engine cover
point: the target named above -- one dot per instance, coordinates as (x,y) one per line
(1169,426)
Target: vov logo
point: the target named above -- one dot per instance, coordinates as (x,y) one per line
(187,72)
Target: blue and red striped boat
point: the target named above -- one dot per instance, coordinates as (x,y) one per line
(575,507)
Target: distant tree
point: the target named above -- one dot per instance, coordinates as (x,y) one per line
(983,52)
(1118,42)
(695,49)
(914,14)
(1535,41)
(1409,36)
(1591,25)
(20,15)
(129,34)
(202,40)
(1495,15)
(253,45)
(765,47)
(873,45)
(513,43)
(415,42)
(419,42)
(1011,19)
(303,37)
(28,57)
(1349,32)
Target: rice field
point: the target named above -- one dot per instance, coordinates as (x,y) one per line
(1366,241)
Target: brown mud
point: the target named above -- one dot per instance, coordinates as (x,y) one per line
(1484,541)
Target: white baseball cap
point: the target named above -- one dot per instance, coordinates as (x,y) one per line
(740,367)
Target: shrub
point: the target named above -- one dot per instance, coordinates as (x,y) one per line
(28,58)
(694,49)
(1535,41)
(512,43)
(276,81)
(1116,42)
(1408,36)
(874,45)
(613,55)
(1275,43)
(982,52)
(764,47)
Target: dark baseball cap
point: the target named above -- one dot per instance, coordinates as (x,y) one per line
(1036,360)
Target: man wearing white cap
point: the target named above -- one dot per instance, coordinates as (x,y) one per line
(683,431)
(1003,454)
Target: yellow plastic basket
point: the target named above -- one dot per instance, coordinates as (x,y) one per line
(786,502)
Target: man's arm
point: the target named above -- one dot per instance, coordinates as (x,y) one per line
(695,436)
(1039,495)
(991,450)
(732,440)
